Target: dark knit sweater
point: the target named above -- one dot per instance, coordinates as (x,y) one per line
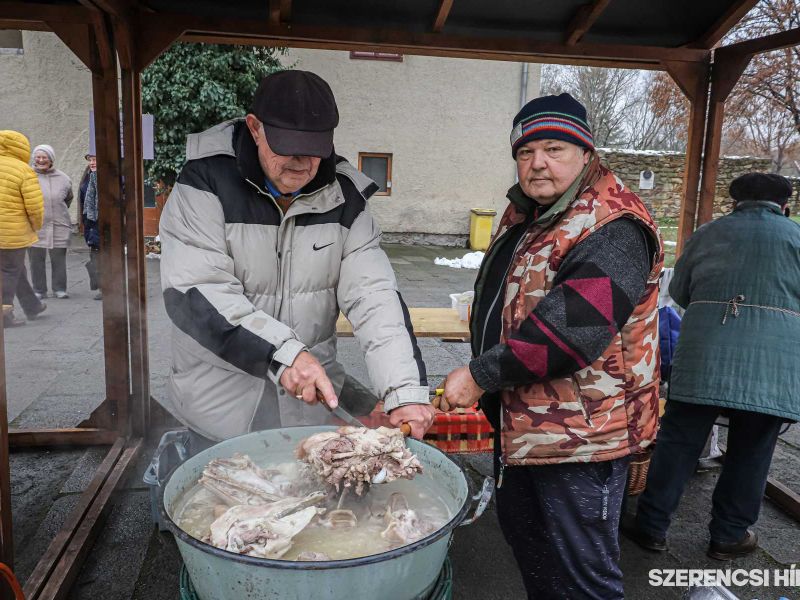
(620,251)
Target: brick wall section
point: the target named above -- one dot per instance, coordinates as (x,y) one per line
(665,198)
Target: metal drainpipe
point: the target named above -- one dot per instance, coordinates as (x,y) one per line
(523,96)
(523,86)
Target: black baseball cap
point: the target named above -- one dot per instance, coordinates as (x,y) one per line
(299,113)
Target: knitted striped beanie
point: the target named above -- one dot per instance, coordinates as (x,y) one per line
(552,118)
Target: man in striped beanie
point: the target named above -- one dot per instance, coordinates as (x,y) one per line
(565,353)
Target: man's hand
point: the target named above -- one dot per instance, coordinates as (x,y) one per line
(305,377)
(460,390)
(418,416)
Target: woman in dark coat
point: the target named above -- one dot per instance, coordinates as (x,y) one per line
(89,215)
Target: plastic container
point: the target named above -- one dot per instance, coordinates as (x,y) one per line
(480,227)
(462,303)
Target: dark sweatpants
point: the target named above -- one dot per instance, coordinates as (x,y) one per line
(561,523)
(740,488)
(15,281)
(58,269)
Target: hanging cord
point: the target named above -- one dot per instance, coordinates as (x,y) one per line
(733,305)
(9,576)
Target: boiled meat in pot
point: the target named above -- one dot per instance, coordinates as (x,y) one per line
(351,456)
(266,530)
(238,480)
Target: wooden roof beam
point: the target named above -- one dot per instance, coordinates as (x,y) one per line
(583,20)
(24,25)
(724,24)
(441,15)
(392,40)
(207,38)
(119,9)
(23,12)
(775,41)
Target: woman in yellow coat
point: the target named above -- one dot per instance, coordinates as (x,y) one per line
(21,214)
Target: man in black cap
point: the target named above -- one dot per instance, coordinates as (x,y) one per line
(738,355)
(265,238)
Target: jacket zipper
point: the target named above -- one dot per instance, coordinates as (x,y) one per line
(500,456)
(499,291)
(278,250)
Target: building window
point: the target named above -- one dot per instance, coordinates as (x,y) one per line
(378,167)
(10,41)
(390,56)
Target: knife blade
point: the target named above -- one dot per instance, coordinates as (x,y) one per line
(345,416)
(339,412)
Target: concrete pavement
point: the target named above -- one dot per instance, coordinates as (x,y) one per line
(55,378)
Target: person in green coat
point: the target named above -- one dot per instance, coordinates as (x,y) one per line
(738,355)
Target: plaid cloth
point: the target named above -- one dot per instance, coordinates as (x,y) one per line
(462,431)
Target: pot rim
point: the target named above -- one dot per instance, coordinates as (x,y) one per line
(317,565)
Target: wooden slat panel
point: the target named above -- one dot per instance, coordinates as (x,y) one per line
(77,436)
(47,563)
(63,575)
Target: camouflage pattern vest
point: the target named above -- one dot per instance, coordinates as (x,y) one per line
(609,409)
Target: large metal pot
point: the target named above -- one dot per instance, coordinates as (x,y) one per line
(405,573)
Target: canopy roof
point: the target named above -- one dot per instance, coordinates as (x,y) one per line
(628,33)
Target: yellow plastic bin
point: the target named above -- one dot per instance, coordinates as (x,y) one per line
(480,227)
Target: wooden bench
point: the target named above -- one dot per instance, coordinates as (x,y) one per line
(428,322)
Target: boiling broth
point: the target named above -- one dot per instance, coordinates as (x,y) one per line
(195,511)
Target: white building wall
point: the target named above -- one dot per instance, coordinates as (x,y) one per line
(446,121)
(46,93)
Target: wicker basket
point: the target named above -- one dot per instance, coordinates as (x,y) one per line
(637,472)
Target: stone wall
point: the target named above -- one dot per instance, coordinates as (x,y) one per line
(794,203)
(664,199)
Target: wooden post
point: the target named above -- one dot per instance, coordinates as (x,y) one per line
(726,70)
(6,538)
(113,280)
(694,81)
(133,171)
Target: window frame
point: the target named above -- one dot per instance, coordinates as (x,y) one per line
(388,157)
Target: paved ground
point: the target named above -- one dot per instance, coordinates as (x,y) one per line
(55,378)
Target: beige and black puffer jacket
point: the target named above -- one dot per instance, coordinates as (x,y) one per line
(248,288)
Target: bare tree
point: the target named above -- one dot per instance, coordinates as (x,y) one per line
(606,94)
(755,127)
(763,111)
(658,119)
